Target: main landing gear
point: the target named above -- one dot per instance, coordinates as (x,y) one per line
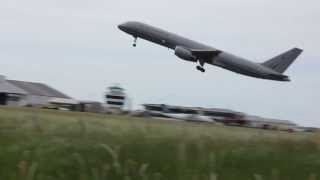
(200,67)
(135,42)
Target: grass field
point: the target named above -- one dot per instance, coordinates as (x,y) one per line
(51,145)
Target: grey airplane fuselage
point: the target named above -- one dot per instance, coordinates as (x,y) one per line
(223,59)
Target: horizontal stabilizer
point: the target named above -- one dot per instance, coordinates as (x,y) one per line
(283,61)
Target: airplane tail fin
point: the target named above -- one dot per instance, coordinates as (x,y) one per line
(281,62)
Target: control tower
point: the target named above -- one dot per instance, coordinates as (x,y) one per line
(115,98)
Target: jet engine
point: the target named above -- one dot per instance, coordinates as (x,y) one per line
(184,54)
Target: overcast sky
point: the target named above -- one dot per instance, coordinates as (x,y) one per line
(75,46)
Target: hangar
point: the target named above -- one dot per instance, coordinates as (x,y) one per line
(23,93)
(9,94)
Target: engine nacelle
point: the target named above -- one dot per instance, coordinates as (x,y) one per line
(184,54)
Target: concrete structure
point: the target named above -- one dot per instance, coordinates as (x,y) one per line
(22,93)
(225,116)
(115,98)
(191,113)
(10,95)
(268,123)
(90,106)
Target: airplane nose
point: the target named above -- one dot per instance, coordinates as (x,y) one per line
(121,27)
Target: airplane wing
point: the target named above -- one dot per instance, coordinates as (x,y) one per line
(205,54)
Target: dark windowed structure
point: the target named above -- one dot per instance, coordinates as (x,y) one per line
(10,95)
(115,97)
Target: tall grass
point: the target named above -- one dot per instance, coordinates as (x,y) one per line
(45,145)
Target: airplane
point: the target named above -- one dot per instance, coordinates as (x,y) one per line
(196,52)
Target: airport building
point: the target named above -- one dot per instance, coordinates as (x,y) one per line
(115,98)
(10,95)
(90,106)
(224,116)
(191,113)
(22,93)
(268,123)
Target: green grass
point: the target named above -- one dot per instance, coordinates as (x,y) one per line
(51,145)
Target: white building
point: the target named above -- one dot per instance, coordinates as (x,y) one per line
(268,123)
(197,114)
(225,116)
(22,93)
(116,98)
(10,95)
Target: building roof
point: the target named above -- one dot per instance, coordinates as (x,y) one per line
(6,87)
(38,89)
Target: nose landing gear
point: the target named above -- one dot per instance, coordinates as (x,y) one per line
(135,42)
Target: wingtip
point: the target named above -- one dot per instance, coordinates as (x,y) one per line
(298,49)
